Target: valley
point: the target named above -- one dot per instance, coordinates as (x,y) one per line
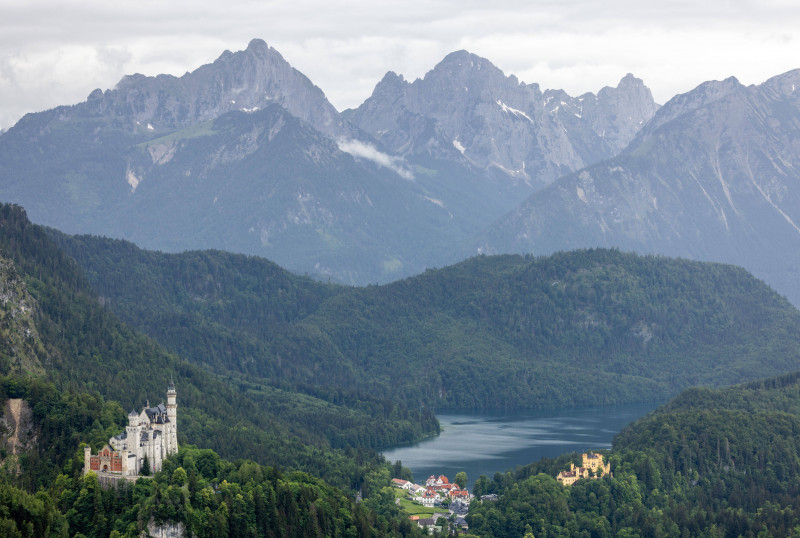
(331,290)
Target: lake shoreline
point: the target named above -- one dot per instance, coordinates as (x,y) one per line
(486,441)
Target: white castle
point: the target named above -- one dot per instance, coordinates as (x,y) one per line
(152,433)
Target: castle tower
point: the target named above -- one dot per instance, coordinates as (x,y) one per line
(87,456)
(134,431)
(171,435)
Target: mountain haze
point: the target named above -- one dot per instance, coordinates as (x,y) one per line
(715,175)
(246,154)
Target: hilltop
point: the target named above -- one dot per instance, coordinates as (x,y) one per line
(583,327)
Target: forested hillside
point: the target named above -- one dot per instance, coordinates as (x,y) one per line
(297,374)
(712,462)
(43,491)
(71,340)
(585,327)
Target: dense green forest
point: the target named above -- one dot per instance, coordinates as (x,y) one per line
(75,342)
(43,491)
(584,327)
(289,385)
(712,462)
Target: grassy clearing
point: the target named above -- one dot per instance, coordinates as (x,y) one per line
(414,509)
(201,129)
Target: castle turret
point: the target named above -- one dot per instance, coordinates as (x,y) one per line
(87,458)
(171,433)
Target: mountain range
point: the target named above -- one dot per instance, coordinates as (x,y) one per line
(245,154)
(468,105)
(714,175)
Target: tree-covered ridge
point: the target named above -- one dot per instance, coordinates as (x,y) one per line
(584,327)
(712,462)
(754,427)
(85,346)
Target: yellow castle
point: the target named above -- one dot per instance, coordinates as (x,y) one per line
(591,467)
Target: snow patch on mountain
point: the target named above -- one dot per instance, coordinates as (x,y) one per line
(514,111)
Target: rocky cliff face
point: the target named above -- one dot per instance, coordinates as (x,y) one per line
(23,351)
(714,176)
(17,433)
(467,105)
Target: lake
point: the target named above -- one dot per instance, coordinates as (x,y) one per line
(486,442)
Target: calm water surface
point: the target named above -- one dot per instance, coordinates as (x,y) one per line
(486,442)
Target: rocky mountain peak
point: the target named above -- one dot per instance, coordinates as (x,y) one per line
(622,111)
(500,124)
(462,70)
(629,80)
(701,96)
(787,84)
(391,86)
(257,46)
(246,80)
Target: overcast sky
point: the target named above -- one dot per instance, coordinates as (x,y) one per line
(56,52)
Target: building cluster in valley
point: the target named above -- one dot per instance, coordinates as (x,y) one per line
(592,467)
(151,436)
(437,491)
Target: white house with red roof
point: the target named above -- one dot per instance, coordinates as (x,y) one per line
(427,498)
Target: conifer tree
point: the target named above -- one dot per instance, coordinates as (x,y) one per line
(145,470)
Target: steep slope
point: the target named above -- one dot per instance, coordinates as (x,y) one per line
(243,154)
(246,80)
(79,343)
(264,183)
(579,328)
(714,176)
(260,182)
(467,105)
(68,165)
(196,492)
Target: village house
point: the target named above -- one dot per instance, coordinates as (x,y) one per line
(429,524)
(427,498)
(408,486)
(402,484)
(446,488)
(592,466)
(459,494)
(439,481)
(416,488)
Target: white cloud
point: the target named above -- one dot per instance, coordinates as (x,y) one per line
(365,151)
